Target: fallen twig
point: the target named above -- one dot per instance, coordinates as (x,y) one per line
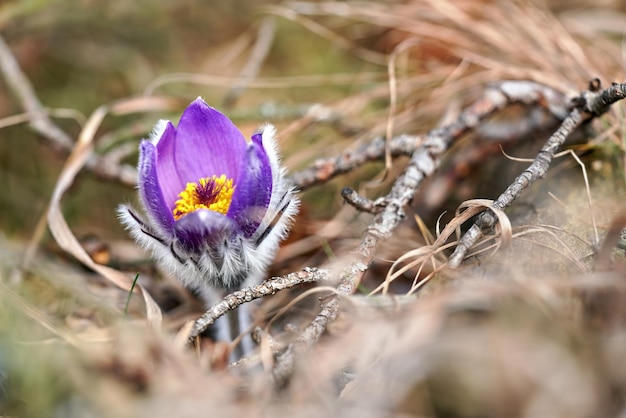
(268,287)
(590,104)
(325,169)
(361,203)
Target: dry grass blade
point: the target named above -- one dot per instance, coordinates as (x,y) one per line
(263,82)
(393,94)
(56,113)
(324,32)
(420,256)
(583,169)
(260,50)
(476,206)
(56,221)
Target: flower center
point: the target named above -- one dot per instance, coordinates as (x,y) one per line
(213,193)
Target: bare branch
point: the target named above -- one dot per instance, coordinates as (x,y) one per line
(590,104)
(325,169)
(361,203)
(504,93)
(268,287)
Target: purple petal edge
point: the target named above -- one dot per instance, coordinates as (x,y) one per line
(167,170)
(253,191)
(150,189)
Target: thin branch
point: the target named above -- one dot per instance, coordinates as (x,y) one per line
(268,287)
(362,203)
(325,169)
(507,92)
(589,105)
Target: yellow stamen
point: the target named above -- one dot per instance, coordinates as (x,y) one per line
(213,193)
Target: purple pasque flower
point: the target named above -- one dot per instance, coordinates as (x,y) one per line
(216,207)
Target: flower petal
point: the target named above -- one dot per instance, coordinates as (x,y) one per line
(166,168)
(207,143)
(204,230)
(150,190)
(253,189)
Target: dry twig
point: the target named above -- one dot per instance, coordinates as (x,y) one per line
(361,203)
(268,287)
(590,104)
(325,169)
